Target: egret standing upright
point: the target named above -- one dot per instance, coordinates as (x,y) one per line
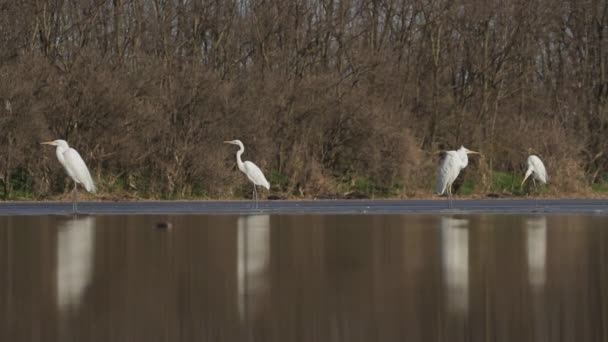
(451,166)
(74,166)
(252,171)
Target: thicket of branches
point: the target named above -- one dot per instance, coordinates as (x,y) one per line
(326,95)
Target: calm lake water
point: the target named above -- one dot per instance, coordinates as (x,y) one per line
(304,278)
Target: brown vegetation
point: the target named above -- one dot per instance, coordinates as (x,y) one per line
(328,96)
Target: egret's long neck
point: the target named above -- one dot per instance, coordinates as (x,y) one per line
(59,151)
(239,162)
(464,159)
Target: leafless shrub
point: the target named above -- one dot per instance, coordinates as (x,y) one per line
(322,97)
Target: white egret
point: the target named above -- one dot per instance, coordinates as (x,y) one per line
(252,171)
(74,166)
(451,165)
(536,168)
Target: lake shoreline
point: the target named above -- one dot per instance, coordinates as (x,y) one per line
(313,207)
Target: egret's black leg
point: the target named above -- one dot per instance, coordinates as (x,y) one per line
(74,199)
(255,192)
(450,199)
(536,193)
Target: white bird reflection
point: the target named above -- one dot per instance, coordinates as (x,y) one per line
(75,244)
(252,261)
(536,236)
(455,261)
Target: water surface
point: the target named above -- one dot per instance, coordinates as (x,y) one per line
(304,278)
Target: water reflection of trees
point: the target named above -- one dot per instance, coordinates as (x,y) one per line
(27,278)
(310,278)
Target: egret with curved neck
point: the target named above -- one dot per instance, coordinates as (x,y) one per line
(75,167)
(252,171)
(537,170)
(451,166)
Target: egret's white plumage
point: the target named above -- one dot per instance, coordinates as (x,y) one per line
(252,171)
(78,169)
(254,174)
(451,166)
(75,167)
(536,168)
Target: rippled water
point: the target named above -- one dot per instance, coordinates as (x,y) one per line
(304,278)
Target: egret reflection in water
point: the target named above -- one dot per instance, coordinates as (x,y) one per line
(75,248)
(455,262)
(252,261)
(536,239)
(332,278)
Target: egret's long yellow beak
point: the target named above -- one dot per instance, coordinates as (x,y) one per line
(473,152)
(46,143)
(523,181)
